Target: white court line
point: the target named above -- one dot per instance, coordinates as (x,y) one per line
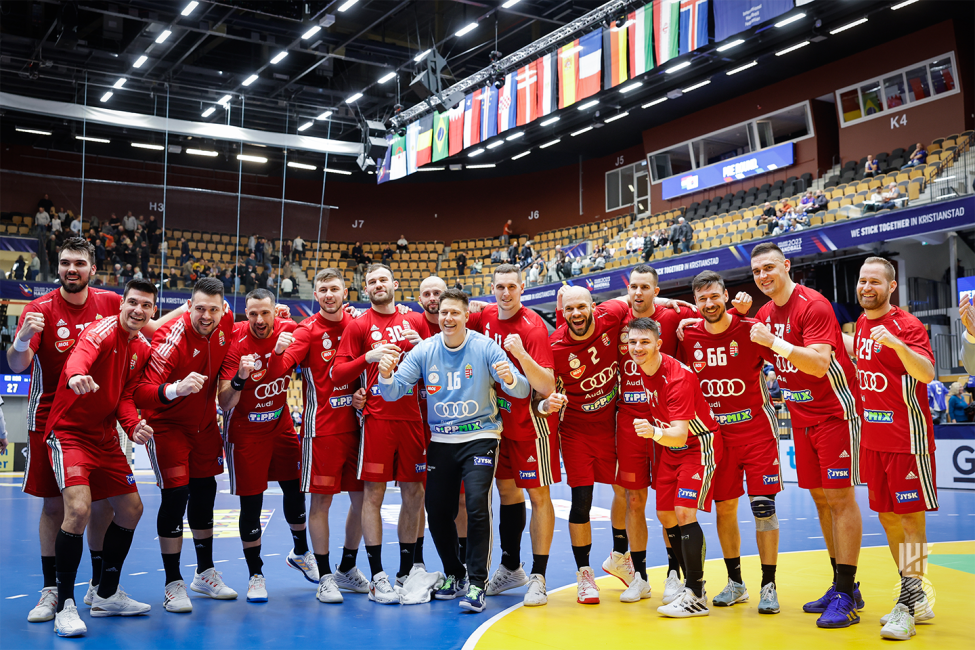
(140,573)
(78,584)
(219,561)
(17,596)
(272,554)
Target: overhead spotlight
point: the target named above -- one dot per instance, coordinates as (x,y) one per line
(324,116)
(498,82)
(279,57)
(495,56)
(246,158)
(620,21)
(306,126)
(397,108)
(249,80)
(163,35)
(311,32)
(208,112)
(188,9)
(401,131)
(354,98)
(225,100)
(119,83)
(34,131)
(387,77)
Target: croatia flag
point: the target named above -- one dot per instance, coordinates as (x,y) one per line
(508,103)
(527,104)
(693,25)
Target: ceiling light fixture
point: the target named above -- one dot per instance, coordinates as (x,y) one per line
(223,101)
(846,27)
(744,67)
(422,55)
(345,6)
(107,96)
(696,86)
(279,57)
(581,131)
(306,126)
(589,105)
(387,77)
(188,9)
(790,20)
(903,4)
(163,36)
(549,144)
(430,169)
(91,139)
(119,83)
(34,131)
(515,136)
(338,171)
(138,62)
(511,3)
(551,120)
(324,116)
(633,86)
(208,112)
(146,145)
(354,98)
(617,117)
(476,152)
(298,165)
(679,66)
(495,145)
(728,46)
(485,166)
(521,155)
(655,102)
(245,158)
(467,29)
(202,152)
(249,80)
(792,49)
(311,32)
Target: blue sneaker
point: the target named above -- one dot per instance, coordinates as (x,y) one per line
(474,600)
(819,606)
(452,588)
(841,612)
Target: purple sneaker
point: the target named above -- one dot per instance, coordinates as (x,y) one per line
(819,606)
(841,612)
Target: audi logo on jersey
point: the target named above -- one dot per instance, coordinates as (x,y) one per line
(784,366)
(271,389)
(630,369)
(872,381)
(723,387)
(456,409)
(600,379)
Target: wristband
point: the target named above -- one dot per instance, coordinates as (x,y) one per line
(658,433)
(782,348)
(170,392)
(21,346)
(237,383)
(544,408)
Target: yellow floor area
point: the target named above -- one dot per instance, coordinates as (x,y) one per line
(801,577)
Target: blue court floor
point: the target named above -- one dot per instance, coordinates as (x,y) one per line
(293,618)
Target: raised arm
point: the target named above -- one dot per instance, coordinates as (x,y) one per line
(395,381)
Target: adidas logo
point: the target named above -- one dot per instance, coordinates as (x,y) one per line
(911,476)
(111,569)
(373,328)
(776,462)
(433,369)
(697,345)
(696,477)
(844,454)
(200,545)
(195,352)
(531,459)
(61,323)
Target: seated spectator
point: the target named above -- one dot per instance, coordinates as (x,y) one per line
(387,254)
(919,157)
(477,267)
(874,203)
(496,256)
(807,202)
(890,197)
(187,273)
(461,263)
(402,244)
(631,246)
(151,274)
(359,255)
(137,275)
(599,264)
(228,281)
(577,266)
(871,167)
(458,285)
(822,201)
(75,225)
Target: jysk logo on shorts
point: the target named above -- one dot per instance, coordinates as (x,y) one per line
(878,417)
(530,475)
(483,461)
(907,496)
(683,493)
(421,468)
(131,479)
(770,480)
(838,473)
(339,402)
(265,416)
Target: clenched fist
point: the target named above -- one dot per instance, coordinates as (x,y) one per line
(504,372)
(192,383)
(247,363)
(33,323)
(285,339)
(82,384)
(142,433)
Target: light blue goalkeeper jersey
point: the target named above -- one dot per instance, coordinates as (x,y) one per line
(461,401)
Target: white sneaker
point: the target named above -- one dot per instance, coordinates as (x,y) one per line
(210,583)
(306,563)
(118,604)
(686,606)
(637,591)
(175,598)
(672,588)
(46,607)
(381,591)
(67,622)
(328,591)
(90,594)
(899,625)
(536,594)
(587,593)
(505,579)
(621,566)
(923,611)
(352,580)
(256,589)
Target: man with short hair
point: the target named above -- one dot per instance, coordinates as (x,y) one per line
(806,345)
(42,221)
(871,167)
(465,428)
(918,157)
(85,453)
(894,362)
(260,440)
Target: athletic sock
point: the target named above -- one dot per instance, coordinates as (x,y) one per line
(301,540)
(619,540)
(677,548)
(348,559)
(734,568)
(768,574)
(68,548)
(672,563)
(118,541)
(418,551)
(832,561)
(693,548)
(96,567)
(511,527)
(323,566)
(204,553)
(640,563)
(375,555)
(406,551)
(845,577)
(539,564)
(462,544)
(581,554)
(911,592)
(48,570)
(255,565)
(171,566)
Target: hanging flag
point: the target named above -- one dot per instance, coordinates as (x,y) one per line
(641,40)
(424,141)
(472,119)
(455,143)
(441,129)
(527,78)
(382,174)
(614,48)
(568,73)
(397,164)
(489,112)
(734,16)
(412,133)
(665,22)
(693,25)
(508,103)
(590,65)
(546,92)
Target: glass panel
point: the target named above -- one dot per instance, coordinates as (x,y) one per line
(612,190)
(917,84)
(783,126)
(670,162)
(626,186)
(942,76)
(722,145)
(642,186)
(850,105)
(894,91)
(870,96)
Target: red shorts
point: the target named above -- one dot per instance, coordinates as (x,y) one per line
(757,463)
(828,454)
(638,457)
(685,476)
(39,478)
(92,460)
(531,463)
(589,453)
(329,463)
(253,459)
(900,483)
(392,450)
(177,456)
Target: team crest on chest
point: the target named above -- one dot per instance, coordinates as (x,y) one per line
(734,348)
(134,361)
(606,340)
(221,338)
(257,376)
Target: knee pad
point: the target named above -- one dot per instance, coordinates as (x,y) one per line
(581,505)
(294,502)
(763,507)
(250,517)
(172,505)
(199,513)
